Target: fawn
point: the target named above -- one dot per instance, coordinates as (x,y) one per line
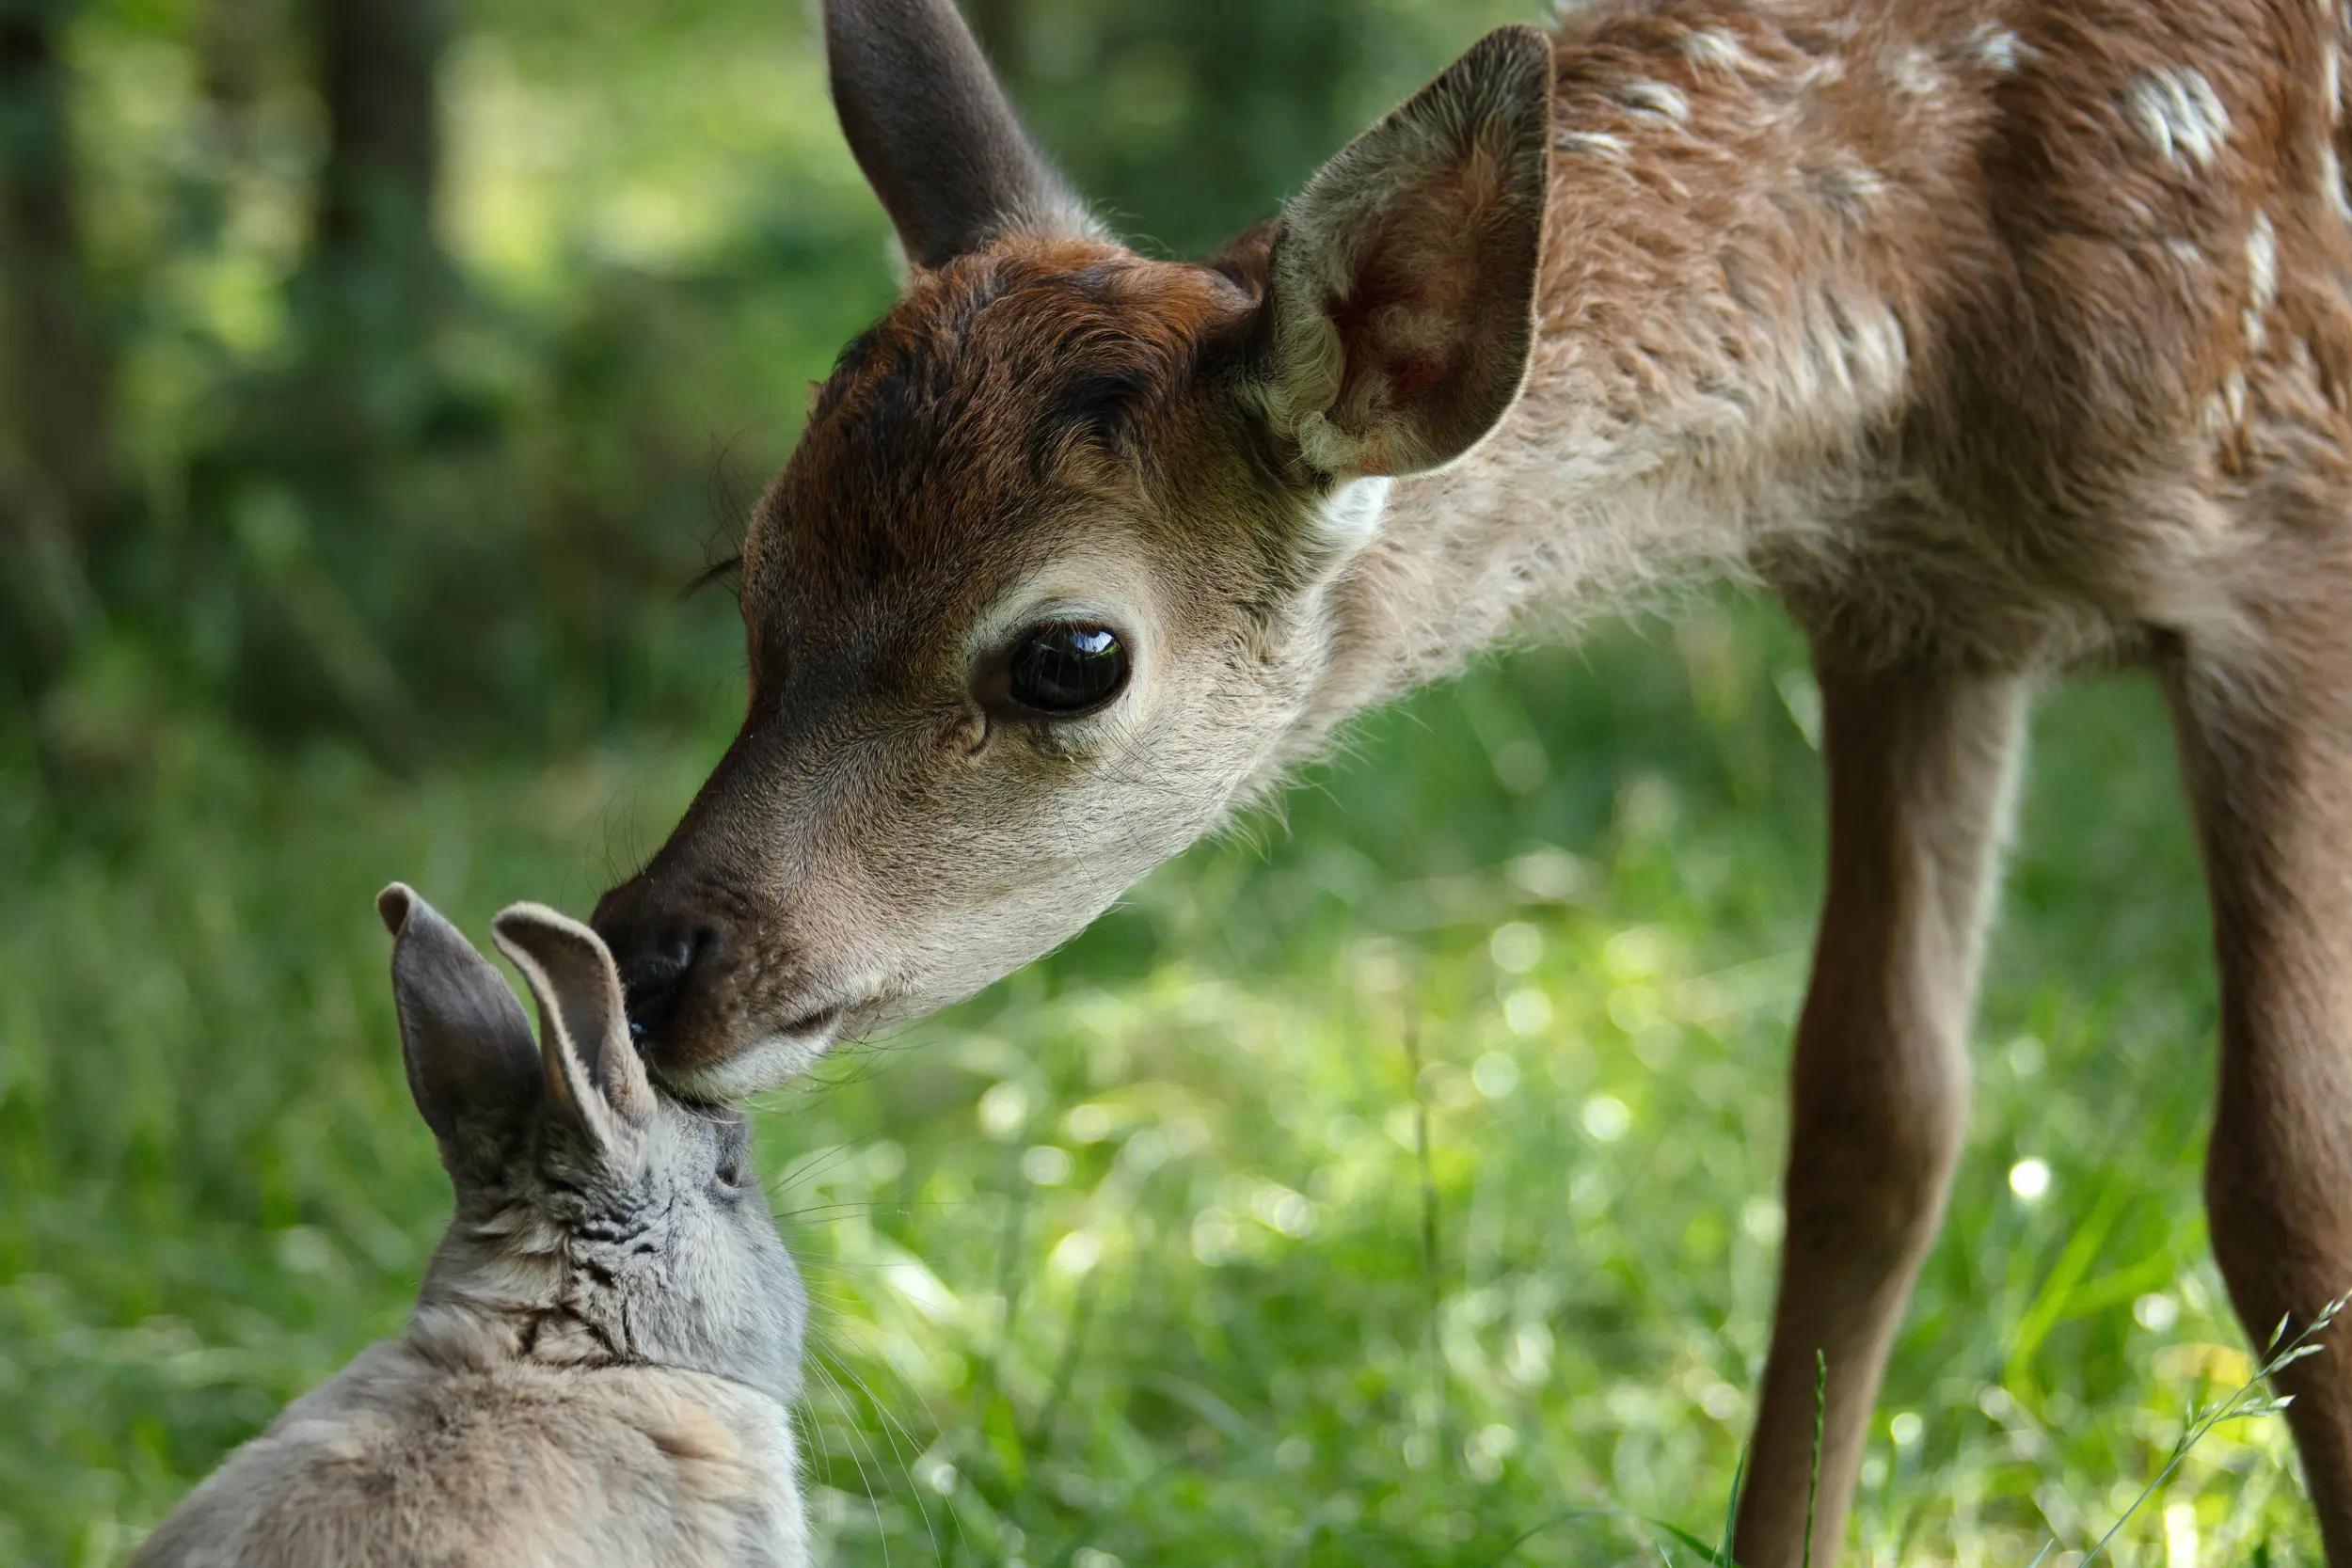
(1994,335)
(603,1358)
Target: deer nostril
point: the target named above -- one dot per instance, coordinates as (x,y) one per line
(654,981)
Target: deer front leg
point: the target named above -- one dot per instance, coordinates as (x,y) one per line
(1920,764)
(2266,744)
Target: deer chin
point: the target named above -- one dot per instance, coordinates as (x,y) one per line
(727,1070)
(725,1062)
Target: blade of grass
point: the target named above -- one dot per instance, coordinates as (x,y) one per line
(1813,1480)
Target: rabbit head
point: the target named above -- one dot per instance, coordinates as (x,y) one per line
(598,1221)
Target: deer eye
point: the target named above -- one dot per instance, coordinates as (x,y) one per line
(1067,667)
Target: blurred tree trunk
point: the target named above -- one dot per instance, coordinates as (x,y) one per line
(341,429)
(376,65)
(56,447)
(374,278)
(233,53)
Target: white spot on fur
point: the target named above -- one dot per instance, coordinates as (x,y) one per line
(2225,420)
(2331,183)
(1351,513)
(1821,72)
(1915,72)
(1881,365)
(1658,100)
(1717,48)
(2262,279)
(1876,354)
(2215,418)
(1854,350)
(2331,82)
(2180,114)
(1999,47)
(2262,261)
(1848,188)
(1601,144)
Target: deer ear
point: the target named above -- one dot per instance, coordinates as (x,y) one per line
(591,1071)
(1403,278)
(463,1037)
(934,132)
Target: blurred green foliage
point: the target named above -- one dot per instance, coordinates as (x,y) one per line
(415,486)
(332,559)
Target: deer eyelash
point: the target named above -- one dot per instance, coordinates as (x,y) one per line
(717,570)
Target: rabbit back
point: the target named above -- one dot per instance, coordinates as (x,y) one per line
(399,1461)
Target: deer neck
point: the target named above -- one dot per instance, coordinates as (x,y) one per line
(1752,222)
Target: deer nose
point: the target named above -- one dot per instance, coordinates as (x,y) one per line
(655,980)
(659,960)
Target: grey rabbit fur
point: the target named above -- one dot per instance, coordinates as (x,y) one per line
(604,1356)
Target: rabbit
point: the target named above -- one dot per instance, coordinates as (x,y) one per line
(605,1354)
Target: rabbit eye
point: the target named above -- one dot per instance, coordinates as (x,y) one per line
(734,1167)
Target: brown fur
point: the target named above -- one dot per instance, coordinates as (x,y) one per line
(1994,335)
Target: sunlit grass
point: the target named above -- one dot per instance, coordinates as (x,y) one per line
(1394,1187)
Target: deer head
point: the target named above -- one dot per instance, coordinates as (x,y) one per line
(1043,592)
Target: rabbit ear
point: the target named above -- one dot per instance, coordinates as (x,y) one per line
(593,1071)
(463,1037)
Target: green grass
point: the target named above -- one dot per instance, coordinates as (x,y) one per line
(1165,1250)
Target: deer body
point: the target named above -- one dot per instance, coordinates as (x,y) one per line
(1995,338)
(1929,316)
